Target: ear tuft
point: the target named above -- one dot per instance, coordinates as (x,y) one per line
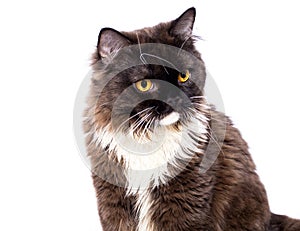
(183,26)
(110,41)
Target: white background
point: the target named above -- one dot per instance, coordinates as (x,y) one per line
(251,48)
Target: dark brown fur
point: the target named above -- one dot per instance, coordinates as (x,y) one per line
(227,197)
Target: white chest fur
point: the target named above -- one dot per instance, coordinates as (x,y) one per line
(143,207)
(146,162)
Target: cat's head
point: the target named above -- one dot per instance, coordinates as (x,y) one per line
(148,78)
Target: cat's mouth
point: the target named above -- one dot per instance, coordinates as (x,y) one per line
(146,123)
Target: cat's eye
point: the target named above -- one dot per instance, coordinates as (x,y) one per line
(183,77)
(144,85)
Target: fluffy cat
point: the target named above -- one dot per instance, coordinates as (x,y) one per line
(141,103)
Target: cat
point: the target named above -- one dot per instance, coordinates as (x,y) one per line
(148,132)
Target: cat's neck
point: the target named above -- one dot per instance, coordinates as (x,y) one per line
(173,151)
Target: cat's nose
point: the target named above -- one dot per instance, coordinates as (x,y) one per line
(163,109)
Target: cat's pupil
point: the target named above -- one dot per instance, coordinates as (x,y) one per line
(144,83)
(183,75)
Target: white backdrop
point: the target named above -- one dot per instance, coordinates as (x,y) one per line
(251,48)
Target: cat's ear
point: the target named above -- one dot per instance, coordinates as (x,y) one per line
(183,26)
(110,41)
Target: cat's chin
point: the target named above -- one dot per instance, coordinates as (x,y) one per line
(170,119)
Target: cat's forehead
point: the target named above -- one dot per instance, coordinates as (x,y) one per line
(140,72)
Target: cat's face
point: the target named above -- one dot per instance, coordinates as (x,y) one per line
(163,89)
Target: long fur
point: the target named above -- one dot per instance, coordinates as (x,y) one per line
(168,189)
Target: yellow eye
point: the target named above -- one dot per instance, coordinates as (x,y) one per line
(183,77)
(144,85)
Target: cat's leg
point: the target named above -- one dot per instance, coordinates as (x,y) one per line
(283,223)
(249,209)
(116,210)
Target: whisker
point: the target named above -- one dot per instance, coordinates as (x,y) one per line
(162,59)
(210,134)
(141,121)
(143,59)
(201,117)
(183,44)
(140,48)
(144,130)
(142,124)
(139,128)
(147,109)
(166,70)
(198,97)
(198,37)
(202,105)
(138,39)
(137,123)
(149,127)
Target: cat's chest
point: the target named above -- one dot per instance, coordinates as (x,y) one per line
(153,162)
(182,204)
